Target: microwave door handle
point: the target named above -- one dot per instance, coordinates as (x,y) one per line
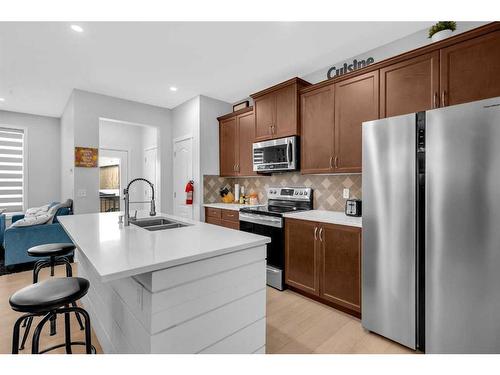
(288,152)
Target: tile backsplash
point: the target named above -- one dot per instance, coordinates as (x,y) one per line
(327,188)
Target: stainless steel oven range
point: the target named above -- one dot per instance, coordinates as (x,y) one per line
(268,221)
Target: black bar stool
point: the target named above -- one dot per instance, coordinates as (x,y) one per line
(57,254)
(50,298)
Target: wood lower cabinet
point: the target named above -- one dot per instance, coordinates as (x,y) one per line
(222,217)
(341,265)
(356,101)
(324,261)
(277,110)
(301,255)
(236,136)
(410,86)
(317,130)
(470,70)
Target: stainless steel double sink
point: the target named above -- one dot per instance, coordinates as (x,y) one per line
(158,223)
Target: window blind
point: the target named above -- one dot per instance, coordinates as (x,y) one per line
(11,169)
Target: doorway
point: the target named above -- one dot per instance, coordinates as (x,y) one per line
(182,173)
(113,177)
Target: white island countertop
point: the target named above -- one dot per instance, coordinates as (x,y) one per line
(329,217)
(230,206)
(117,251)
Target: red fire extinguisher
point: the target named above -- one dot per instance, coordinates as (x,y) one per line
(189,192)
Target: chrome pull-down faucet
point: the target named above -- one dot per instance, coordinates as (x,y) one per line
(152,211)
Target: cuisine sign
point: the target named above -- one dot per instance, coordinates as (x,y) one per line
(336,71)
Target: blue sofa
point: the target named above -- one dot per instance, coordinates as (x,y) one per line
(17,240)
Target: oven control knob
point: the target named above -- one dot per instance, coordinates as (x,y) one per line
(301,193)
(305,192)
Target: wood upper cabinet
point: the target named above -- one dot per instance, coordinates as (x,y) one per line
(228,146)
(356,101)
(264,116)
(246,137)
(340,258)
(317,130)
(277,110)
(236,136)
(286,121)
(301,255)
(410,86)
(470,70)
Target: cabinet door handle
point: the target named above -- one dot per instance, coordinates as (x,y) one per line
(443,98)
(315,233)
(336,164)
(435,100)
(331,160)
(321,234)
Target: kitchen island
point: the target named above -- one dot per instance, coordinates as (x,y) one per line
(199,288)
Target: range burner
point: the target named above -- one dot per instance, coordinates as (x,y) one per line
(282,200)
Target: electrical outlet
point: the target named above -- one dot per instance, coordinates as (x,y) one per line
(345,193)
(82,193)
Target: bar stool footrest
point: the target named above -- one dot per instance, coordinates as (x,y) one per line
(81,343)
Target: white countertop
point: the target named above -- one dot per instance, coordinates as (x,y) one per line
(231,206)
(116,251)
(329,217)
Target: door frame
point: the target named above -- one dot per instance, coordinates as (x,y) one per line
(127,170)
(157,182)
(174,142)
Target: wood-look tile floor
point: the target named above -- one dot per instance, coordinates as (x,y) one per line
(295,324)
(299,325)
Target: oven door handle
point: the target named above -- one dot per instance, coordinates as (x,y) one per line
(289,151)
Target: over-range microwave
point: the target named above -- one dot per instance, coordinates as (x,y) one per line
(276,155)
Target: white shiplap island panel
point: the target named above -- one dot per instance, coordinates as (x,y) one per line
(212,300)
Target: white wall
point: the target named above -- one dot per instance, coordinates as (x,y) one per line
(67,148)
(186,122)
(408,43)
(131,138)
(210,109)
(88,108)
(43,154)
(198,117)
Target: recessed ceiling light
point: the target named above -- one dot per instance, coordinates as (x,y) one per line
(172,88)
(77,28)
(2,99)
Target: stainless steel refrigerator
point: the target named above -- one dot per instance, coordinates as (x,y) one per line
(431,228)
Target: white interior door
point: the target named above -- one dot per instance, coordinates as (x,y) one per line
(150,174)
(183,172)
(107,156)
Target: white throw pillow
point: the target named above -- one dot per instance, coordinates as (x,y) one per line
(35,211)
(32,220)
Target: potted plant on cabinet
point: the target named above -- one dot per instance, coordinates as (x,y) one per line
(442,30)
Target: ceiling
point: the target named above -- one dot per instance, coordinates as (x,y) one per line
(41,62)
